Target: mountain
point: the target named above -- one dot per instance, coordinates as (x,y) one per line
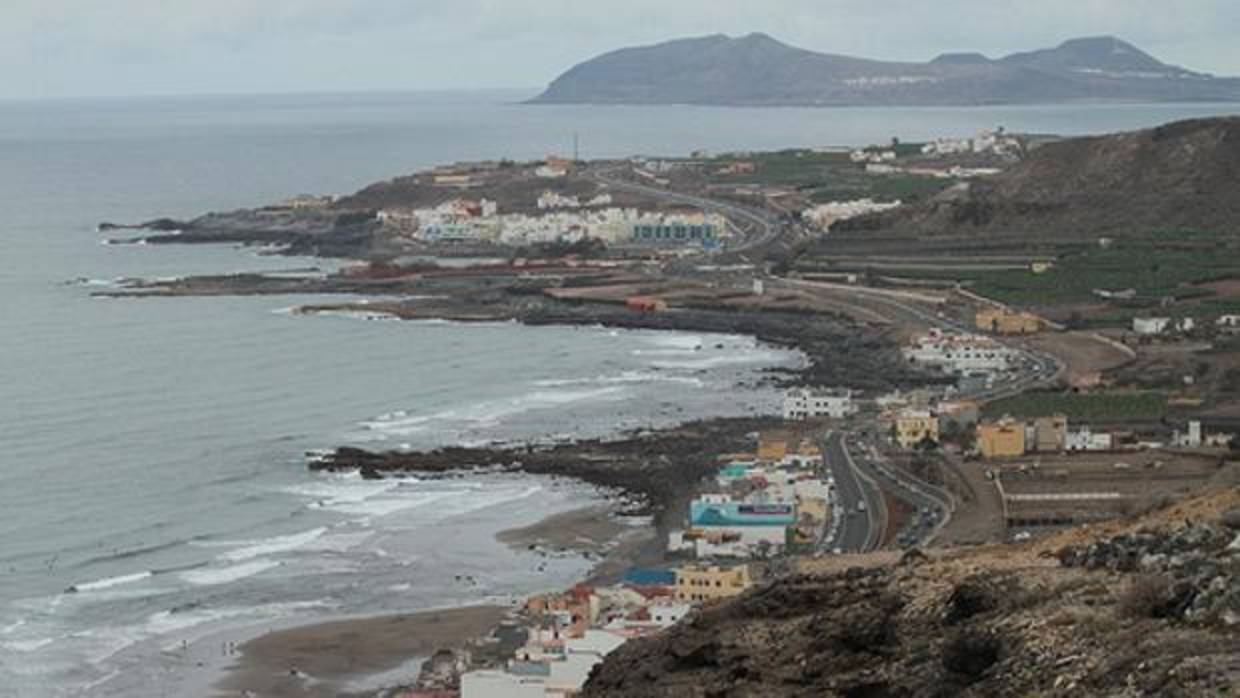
(1178,176)
(759,70)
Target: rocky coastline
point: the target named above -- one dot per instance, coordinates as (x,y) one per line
(653,471)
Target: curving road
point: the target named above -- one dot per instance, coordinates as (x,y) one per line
(857,530)
(768,225)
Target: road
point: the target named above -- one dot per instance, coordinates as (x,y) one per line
(768,225)
(856,531)
(933,506)
(1033,367)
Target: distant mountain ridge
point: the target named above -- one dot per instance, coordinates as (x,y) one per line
(757,70)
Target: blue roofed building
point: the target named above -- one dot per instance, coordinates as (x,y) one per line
(650,577)
(729,514)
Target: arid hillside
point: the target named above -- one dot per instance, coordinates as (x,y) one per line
(1178,176)
(1142,608)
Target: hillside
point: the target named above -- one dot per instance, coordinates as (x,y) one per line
(1178,176)
(759,70)
(1148,608)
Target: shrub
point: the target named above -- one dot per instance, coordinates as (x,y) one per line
(1147,596)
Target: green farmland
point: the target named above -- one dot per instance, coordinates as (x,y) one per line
(1102,407)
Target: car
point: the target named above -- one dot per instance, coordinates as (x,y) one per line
(837,551)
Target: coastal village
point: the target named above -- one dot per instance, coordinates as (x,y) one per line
(984,407)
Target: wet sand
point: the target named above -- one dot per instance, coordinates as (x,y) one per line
(590,529)
(593,530)
(348,657)
(329,659)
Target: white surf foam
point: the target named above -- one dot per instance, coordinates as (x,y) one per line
(623,378)
(492,412)
(109,582)
(386,506)
(356,314)
(677,341)
(740,358)
(223,575)
(27,646)
(276,544)
(166,622)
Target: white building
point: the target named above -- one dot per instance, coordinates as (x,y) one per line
(984,142)
(551,200)
(824,215)
(1086,440)
(959,353)
(550,172)
(1191,438)
(806,403)
(543,673)
(665,615)
(491,683)
(1150,325)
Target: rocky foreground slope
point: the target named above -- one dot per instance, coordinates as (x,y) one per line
(1178,176)
(1150,608)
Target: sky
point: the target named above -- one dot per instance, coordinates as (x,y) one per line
(65,48)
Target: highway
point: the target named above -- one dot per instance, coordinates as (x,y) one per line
(933,506)
(855,530)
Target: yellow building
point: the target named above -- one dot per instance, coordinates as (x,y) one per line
(770,449)
(1007,322)
(705,584)
(914,426)
(1002,439)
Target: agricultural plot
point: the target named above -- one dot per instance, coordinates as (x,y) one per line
(1169,266)
(1100,407)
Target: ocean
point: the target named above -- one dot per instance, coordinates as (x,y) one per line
(152,451)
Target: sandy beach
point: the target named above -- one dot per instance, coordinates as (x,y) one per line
(336,658)
(586,530)
(359,656)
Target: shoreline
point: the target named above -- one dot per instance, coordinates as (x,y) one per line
(343,657)
(360,656)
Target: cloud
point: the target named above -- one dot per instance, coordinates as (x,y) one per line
(125,46)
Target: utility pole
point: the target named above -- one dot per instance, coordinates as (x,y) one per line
(576,149)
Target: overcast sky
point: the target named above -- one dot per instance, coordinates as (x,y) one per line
(54,48)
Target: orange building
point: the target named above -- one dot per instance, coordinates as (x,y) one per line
(772,449)
(1002,439)
(1007,322)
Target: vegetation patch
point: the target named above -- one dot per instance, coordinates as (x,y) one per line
(1138,406)
(1167,265)
(892,187)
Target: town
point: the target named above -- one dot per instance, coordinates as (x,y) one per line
(956,393)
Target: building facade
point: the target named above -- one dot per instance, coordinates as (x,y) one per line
(696,583)
(915,426)
(805,403)
(1007,322)
(675,233)
(1002,439)
(1050,434)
